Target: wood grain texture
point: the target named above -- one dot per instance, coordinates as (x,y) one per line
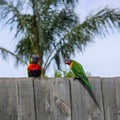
(117,93)
(39,92)
(58,99)
(8,99)
(83,107)
(77,100)
(52,99)
(62,106)
(26,108)
(109,98)
(95,113)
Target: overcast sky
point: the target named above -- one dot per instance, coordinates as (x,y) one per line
(101,58)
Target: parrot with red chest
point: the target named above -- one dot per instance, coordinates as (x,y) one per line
(34,68)
(80,75)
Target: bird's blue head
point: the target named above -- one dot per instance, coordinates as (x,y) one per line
(68,61)
(35,59)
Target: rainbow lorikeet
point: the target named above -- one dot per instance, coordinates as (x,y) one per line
(79,73)
(34,69)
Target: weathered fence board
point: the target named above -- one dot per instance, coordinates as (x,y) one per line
(117,89)
(95,113)
(58,99)
(76,101)
(8,99)
(62,99)
(83,107)
(39,95)
(109,99)
(26,108)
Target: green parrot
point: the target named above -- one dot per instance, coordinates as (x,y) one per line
(79,73)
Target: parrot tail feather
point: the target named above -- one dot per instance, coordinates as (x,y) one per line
(90,93)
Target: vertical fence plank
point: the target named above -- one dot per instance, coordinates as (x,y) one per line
(62,109)
(26,99)
(58,99)
(97,90)
(117,84)
(49,99)
(54,99)
(8,99)
(109,98)
(76,100)
(39,89)
(83,107)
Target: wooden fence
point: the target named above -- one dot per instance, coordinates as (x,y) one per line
(58,99)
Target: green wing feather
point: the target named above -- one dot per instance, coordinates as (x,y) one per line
(80,73)
(81,76)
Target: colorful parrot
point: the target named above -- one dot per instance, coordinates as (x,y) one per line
(79,73)
(34,69)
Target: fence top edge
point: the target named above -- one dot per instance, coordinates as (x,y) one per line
(53,78)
